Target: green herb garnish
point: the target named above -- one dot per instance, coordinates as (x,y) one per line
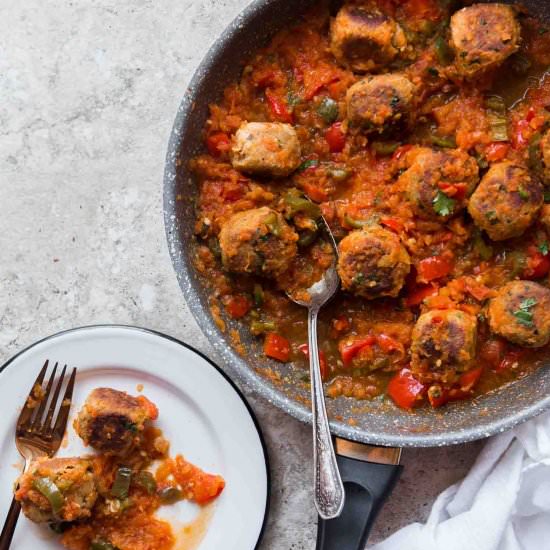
(443,205)
(543,247)
(524,315)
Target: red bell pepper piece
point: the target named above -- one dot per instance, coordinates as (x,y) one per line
(455,190)
(538,265)
(278,107)
(420,293)
(238,306)
(350,348)
(496,151)
(432,268)
(522,134)
(405,390)
(314,192)
(277,347)
(469,379)
(218,143)
(336,138)
(437,396)
(304,348)
(392,223)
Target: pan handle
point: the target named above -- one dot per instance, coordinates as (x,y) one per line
(367,485)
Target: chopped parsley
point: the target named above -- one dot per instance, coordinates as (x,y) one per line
(524,315)
(443,205)
(543,248)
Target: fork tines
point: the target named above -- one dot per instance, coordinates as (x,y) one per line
(41,404)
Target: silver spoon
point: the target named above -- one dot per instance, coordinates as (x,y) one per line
(328,486)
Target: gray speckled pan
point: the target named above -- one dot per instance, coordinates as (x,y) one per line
(374,422)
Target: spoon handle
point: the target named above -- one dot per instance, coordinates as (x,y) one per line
(329,490)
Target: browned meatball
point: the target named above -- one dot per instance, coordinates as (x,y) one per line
(380,103)
(266,148)
(483,36)
(57,489)
(438,183)
(443,344)
(520,312)
(259,242)
(364,39)
(112,421)
(373,263)
(506,202)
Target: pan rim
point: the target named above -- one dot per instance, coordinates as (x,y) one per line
(232,362)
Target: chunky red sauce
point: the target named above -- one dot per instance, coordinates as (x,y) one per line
(355,178)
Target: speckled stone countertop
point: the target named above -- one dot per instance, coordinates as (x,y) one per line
(89,90)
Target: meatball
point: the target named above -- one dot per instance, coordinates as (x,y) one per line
(506,201)
(520,312)
(266,148)
(57,489)
(381,103)
(443,344)
(364,39)
(112,421)
(438,183)
(258,241)
(373,263)
(483,36)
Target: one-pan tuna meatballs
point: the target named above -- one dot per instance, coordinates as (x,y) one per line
(364,39)
(57,489)
(257,241)
(266,148)
(380,103)
(506,202)
(483,36)
(112,421)
(373,263)
(438,183)
(520,312)
(443,344)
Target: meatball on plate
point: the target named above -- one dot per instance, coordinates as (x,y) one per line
(57,489)
(112,421)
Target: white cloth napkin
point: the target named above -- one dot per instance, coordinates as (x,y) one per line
(502,504)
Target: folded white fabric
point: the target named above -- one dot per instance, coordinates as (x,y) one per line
(502,504)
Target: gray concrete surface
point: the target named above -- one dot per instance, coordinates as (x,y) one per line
(88,92)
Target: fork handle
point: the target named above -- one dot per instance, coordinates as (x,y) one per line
(9,525)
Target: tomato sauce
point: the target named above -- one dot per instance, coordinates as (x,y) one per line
(354,178)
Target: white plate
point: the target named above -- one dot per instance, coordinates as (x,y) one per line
(201,412)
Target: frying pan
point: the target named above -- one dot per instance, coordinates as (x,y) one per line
(369,473)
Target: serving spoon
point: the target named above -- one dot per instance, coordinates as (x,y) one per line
(328,486)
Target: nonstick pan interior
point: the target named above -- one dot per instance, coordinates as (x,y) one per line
(376,422)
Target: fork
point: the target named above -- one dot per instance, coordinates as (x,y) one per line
(36,436)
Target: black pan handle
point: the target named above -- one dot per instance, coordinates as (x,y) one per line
(367,485)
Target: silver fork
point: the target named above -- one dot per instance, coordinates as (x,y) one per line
(37,433)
